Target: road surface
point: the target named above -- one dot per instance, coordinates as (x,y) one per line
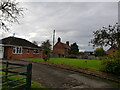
(53,77)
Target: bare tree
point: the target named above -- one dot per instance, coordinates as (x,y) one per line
(9,13)
(35,42)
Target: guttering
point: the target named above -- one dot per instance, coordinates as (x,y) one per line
(18,46)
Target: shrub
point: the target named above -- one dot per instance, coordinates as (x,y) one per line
(111,63)
(46,57)
(99,52)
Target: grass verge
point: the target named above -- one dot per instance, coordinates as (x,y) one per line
(33,83)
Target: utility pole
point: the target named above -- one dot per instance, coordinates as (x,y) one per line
(53,37)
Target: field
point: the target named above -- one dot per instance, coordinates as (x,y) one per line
(85,63)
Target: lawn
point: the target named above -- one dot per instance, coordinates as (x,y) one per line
(34,84)
(92,64)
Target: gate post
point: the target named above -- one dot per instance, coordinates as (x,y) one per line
(29,76)
(6,71)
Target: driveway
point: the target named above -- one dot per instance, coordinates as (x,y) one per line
(53,77)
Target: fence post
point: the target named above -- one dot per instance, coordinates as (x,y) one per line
(6,71)
(29,76)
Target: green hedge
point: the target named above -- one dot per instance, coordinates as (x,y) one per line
(111,63)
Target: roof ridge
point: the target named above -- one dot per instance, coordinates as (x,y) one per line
(18,41)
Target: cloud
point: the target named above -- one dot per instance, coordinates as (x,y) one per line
(73,21)
(68,0)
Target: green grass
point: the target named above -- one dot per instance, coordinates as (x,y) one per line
(91,64)
(33,83)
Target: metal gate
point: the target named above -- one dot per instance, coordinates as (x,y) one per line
(8,69)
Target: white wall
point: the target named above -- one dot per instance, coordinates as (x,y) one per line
(1,52)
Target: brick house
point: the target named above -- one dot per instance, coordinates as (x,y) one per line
(17,48)
(61,49)
(110,51)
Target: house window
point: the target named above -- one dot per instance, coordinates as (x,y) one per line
(17,50)
(36,51)
(28,51)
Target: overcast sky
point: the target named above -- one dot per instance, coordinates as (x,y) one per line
(73,21)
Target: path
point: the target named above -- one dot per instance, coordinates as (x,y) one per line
(53,77)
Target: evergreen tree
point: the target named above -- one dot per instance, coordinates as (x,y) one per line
(74,49)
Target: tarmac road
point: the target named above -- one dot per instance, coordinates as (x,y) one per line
(53,77)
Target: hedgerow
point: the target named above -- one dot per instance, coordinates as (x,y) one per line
(111,63)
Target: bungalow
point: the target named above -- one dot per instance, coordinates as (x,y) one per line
(17,48)
(61,49)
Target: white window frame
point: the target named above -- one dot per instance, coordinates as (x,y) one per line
(35,51)
(28,50)
(18,50)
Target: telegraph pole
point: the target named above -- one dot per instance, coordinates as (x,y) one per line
(53,38)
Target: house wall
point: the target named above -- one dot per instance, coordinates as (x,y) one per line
(60,49)
(1,52)
(110,51)
(8,54)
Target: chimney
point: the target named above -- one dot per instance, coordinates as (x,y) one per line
(59,39)
(67,42)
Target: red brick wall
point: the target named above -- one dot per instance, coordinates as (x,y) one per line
(110,51)
(9,54)
(59,49)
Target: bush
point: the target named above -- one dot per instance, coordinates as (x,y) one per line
(111,63)
(46,57)
(99,52)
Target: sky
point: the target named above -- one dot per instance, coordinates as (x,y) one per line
(72,21)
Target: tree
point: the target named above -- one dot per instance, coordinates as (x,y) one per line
(81,53)
(74,49)
(46,46)
(10,12)
(35,42)
(107,36)
(99,52)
